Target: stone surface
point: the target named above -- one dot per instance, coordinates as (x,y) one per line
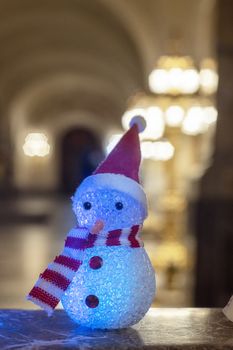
(160,329)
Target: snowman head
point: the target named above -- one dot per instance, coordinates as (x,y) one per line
(114,199)
(113,193)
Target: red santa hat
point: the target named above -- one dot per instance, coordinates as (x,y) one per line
(120,169)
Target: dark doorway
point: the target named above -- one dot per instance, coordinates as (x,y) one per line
(81,153)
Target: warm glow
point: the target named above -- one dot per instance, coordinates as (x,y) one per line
(174,75)
(128,115)
(158,81)
(114,139)
(191,81)
(210,115)
(163,150)
(171,253)
(36,145)
(174,115)
(208,81)
(159,150)
(147,149)
(154,123)
(174,81)
(194,123)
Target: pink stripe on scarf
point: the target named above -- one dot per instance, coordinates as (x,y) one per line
(56,278)
(75,243)
(132,237)
(72,259)
(43,296)
(114,238)
(91,240)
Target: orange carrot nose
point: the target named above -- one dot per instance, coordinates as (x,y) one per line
(98,226)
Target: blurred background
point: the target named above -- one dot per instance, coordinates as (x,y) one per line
(72,74)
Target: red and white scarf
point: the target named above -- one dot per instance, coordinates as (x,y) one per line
(54,281)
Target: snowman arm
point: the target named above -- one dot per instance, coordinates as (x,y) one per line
(228,309)
(54,281)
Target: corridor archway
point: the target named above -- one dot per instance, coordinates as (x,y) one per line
(81,151)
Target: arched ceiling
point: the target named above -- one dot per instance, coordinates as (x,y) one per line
(68,55)
(77,44)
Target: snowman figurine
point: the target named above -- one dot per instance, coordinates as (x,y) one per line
(103,276)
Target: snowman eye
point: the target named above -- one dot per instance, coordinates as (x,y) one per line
(87,205)
(119,205)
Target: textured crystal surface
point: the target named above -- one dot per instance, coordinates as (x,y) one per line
(103,207)
(119,291)
(124,286)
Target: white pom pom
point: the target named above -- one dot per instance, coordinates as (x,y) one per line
(139,121)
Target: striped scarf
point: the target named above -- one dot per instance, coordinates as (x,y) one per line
(54,281)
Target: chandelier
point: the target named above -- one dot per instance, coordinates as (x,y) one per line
(180,115)
(177,75)
(181,100)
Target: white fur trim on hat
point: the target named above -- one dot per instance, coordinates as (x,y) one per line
(114,181)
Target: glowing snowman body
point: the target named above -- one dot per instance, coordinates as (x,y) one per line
(115,286)
(124,287)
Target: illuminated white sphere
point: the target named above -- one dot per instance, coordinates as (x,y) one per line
(175,79)
(174,115)
(208,80)
(147,149)
(159,81)
(154,123)
(194,122)
(121,290)
(191,81)
(36,145)
(163,150)
(210,115)
(158,150)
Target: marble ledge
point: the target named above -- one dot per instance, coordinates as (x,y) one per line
(161,329)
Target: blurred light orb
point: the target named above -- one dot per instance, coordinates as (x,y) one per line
(174,75)
(154,123)
(36,145)
(113,140)
(210,115)
(194,122)
(174,81)
(174,115)
(158,150)
(208,81)
(147,149)
(163,150)
(128,115)
(190,82)
(159,81)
